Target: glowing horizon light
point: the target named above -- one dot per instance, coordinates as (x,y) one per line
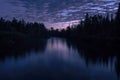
(62,25)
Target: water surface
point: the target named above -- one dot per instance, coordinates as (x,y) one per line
(53,59)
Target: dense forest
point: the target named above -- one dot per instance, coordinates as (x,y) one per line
(97,26)
(20,29)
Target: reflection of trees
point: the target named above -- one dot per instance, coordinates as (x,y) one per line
(99,51)
(19,48)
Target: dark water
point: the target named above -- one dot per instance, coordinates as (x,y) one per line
(53,59)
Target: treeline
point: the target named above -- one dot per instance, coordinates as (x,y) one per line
(96,26)
(19,28)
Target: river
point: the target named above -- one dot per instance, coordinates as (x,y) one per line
(53,59)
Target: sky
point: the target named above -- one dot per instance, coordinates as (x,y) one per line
(55,13)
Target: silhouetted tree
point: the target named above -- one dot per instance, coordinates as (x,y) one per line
(21,28)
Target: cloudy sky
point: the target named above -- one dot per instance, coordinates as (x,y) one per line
(55,13)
